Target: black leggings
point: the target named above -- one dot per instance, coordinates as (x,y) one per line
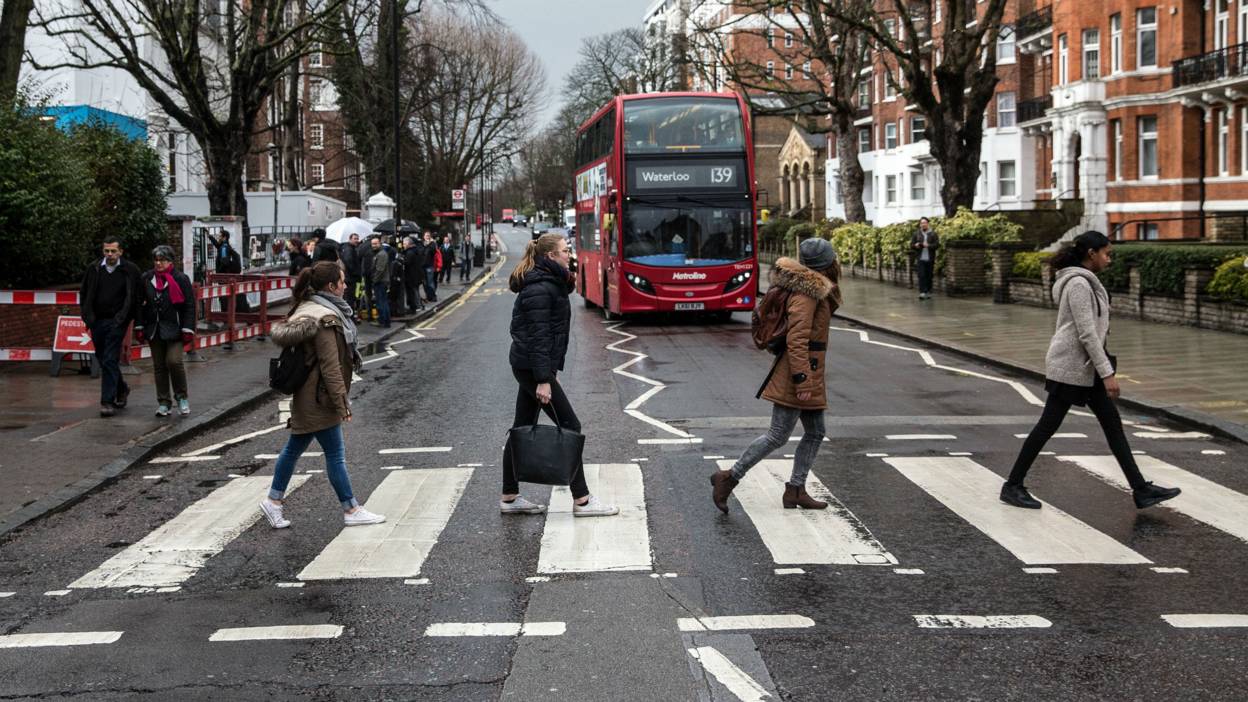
(1055,410)
(527,412)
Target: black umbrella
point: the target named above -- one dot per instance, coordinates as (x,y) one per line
(405,227)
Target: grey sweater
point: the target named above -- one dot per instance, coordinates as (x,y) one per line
(1077,350)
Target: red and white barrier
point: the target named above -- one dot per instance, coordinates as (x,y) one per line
(38,297)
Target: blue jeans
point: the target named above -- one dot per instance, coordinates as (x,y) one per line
(783,420)
(381,298)
(431,284)
(107,338)
(335,463)
(465,267)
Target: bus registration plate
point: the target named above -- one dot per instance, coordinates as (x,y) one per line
(690,305)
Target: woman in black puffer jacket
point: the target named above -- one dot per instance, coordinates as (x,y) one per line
(539,342)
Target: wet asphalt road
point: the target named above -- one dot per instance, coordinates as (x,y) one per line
(452,388)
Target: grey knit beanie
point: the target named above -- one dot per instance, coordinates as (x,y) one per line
(816,253)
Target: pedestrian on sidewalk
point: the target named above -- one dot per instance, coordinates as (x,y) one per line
(381,282)
(1078,370)
(465,258)
(925,242)
(448,258)
(795,386)
(321,323)
(413,272)
(326,249)
(397,276)
(431,271)
(540,323)
(230,263)
(298,259)
(107,299)
(350,256)
(166,319)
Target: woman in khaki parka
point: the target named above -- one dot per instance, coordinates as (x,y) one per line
(796,385)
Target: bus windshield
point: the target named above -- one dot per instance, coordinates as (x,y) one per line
(680,235)
(682,124)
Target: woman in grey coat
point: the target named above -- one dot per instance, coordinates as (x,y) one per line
(1079,371)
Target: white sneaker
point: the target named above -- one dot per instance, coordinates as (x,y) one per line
(520,506)
(362,516)
(593,508)
(273,512)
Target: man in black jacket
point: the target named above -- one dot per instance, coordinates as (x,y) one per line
(448,259)
(413,272)
(108,299)
(350,256)
(924,242)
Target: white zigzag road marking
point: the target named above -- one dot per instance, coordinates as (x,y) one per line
(655,386)
(390,352)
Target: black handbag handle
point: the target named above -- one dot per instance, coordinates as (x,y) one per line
(558,425)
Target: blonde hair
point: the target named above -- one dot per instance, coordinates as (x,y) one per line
(543,245)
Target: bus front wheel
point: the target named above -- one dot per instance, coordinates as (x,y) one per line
(607,314)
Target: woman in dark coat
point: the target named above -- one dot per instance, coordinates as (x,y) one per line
(298,259)
(540,320)
(166,319)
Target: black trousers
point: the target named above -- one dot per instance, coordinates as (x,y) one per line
(527,412)
(925,269)
(1055,410)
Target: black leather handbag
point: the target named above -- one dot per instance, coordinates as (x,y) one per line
(545,454)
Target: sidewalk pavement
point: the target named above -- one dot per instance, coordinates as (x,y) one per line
(1197,376)
(58,448)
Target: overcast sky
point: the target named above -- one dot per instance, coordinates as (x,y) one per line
(553,29)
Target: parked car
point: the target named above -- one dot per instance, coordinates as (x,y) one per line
(540,228)
(572,254)
(519,220)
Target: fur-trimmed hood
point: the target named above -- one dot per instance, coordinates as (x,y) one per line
(787,273)
(301,326)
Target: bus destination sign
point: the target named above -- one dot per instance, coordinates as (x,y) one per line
(686,175)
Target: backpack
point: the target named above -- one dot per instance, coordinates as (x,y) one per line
(289,371)
(769,323)
(231,262)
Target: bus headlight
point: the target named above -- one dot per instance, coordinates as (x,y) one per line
(738,280)
(639,283)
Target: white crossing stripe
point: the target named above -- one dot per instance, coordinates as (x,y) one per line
(789,571)
(273,456)
(76,638)
(1035,536)
(1202,499)
(417,504)
(738,682)
(651,442)
(6,594)
(970,621)
(1213,452)
(177,549)
(56,593)
(918,437)
(908,571)
(496,629)
(1206,621)
(586,544)
(1171,435)
(415,449)
(1059,435)
(1041,571)
(747,621)
(1171,571)
(183,459)
(798,536)
(267,633)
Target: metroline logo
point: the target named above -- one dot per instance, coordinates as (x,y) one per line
(688,276)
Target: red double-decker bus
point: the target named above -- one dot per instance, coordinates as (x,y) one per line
(665,198)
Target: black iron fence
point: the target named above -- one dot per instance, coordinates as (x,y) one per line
(1034,108)
(1211,66)
(1034,22)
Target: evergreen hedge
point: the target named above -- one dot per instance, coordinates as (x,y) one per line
(1161,265)
(1230,280)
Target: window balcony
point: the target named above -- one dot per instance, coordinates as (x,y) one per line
(1033,109)
(1034,31)
(1229,65)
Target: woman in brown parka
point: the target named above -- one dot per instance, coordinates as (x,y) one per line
(796,385)
(321,322)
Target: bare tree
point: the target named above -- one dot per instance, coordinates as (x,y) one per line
(616,63)
(13,20)
(954,92)
(209,65)
(821,98)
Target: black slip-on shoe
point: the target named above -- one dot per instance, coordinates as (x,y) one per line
(1150,494)
(1018,496)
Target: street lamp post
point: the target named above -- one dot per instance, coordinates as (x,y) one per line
(398,153)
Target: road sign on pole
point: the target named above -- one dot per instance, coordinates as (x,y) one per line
(72,336)
(457,199)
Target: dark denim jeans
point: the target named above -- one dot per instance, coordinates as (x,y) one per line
(107,336)
(335,463)
(431,284)
(381,298)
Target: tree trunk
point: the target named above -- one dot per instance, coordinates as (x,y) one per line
(224,159)
(958,156)
(13,22)
(292,141)
(851,170)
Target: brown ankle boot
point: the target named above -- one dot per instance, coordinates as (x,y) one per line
(798,497)
(722,483)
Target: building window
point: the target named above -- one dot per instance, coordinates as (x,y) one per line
(318,175)
(315,88)
(788,71)
(1006,179)
(1146,38)
(771,37)
(918,129)
(1115,43)
(1147,127)
(981,183)
(806,69)
(864,94)
(771,69)
(1005,110)
(1243,138)
(1091,54)
(890,27)
(1062,62)
(1117,149)
(918,186)
(864,141)
(1224,142)
(837,197)
(890,190)
(890,136)
(788,40)
(316,58)
(316,136)
(1147,231)
(1005,45)
(889,91)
